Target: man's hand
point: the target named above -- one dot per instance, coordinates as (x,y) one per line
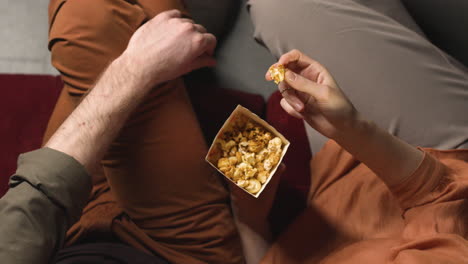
(169,46)
(310,93)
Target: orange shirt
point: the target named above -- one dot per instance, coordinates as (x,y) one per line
(353,217)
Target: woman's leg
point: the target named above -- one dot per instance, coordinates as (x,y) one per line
(155,192)
(392,74)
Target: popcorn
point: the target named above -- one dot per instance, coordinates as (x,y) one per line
(259,153)
(277,73)
(254,186)
(247,150)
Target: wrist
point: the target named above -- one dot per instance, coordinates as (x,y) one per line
(360,142)
(357,131)
(135,71)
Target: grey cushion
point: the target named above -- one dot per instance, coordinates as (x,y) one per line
(393,9)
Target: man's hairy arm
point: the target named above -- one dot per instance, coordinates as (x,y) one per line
(50,188)
(88,131)
(152,57)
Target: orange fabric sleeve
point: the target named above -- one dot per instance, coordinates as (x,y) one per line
(440,177)
(420,187)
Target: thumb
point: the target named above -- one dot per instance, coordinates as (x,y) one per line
(300,83)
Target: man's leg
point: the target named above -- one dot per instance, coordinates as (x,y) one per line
(392,74)
(158,194)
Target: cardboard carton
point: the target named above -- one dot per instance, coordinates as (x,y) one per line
(215,152)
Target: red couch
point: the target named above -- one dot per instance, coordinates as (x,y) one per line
(25,106)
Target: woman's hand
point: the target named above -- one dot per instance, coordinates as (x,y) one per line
(310,93)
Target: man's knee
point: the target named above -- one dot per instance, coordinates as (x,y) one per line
(85,35)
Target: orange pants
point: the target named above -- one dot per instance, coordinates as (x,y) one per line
(154,190)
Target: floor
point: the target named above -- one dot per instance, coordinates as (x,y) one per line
(23,35)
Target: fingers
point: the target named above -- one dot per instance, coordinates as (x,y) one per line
(174,13)
(290,110)
(291,97)
(197,27)
(268,75)
(205,42)
(200,28)
(292,56)
(210,43)
(302,84)
(204,60)
(187,20)
(295,58)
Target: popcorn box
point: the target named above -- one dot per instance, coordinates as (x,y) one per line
(241,113)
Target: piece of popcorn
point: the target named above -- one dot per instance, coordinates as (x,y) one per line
(275,144)
(239,156)
(233,151)
(259,166)
(271,161)
(255,146)
(238,174)
(246,170)
(249,158)
(244,147)
(229,145)
(254,186)
(250,172)
(230,172)
(261,156)
(223,162)
(266,137)
(267,165)
(242,183)
(277,73)
(262,177)
(233,160)
(238,137)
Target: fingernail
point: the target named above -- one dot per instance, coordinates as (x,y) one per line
(296,103)
(298,107)
(291,75)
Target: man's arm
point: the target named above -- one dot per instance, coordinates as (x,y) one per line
(152,57)
(51,185)
(46,196)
